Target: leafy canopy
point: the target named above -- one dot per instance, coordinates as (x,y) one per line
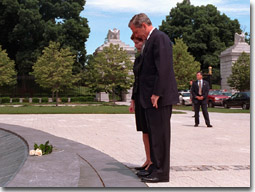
(240,77)
(204,30)
(7,69)
(28,26)
(54,68)
(185,66)
(109,70)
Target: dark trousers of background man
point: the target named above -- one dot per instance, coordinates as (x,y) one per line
(203,105)
(159,128)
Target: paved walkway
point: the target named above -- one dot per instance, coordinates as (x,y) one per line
(200,156)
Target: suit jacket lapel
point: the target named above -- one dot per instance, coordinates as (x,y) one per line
(147,44)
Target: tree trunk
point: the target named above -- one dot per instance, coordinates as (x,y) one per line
(113,96)
(56,98)
(52,96)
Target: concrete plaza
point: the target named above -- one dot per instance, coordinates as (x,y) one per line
(200,156)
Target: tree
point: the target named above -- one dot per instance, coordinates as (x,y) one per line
(185,66)
(204,30)
(54,69)
(7,69)
(28,26)
(109,70)
(240,77)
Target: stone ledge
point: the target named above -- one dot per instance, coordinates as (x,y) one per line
(71,164)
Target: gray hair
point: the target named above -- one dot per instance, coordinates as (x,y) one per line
(138,19)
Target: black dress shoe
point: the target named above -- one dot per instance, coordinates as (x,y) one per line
(141,168)
(153,179)
(209,125)
(196,125)
(143,173)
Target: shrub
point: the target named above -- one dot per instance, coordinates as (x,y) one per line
(44,99)
(64,99)
(25,100)
(15,100)
(83,99)
(35,100)
(5,100)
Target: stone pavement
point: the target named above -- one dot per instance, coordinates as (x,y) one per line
(200,156)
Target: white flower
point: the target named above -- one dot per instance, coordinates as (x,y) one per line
(38,152)
(32,152)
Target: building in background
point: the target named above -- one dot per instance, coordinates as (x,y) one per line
(113,37)
(229,56)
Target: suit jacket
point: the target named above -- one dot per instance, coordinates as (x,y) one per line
(156,73)
(195,90)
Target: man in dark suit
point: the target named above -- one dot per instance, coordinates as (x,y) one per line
(199,91)
(157,92)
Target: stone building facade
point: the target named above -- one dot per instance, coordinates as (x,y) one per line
(229,56)
(113,37)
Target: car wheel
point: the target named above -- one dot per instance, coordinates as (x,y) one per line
(226,106)
(244,106)
(210,104)
(183,102)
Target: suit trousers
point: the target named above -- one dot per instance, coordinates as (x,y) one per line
(159,129)
(203,105)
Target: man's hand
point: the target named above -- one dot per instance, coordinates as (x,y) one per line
(200,97)
(154,100)
(132,106)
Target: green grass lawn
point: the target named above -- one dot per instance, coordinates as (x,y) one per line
(218,110)
(102,109)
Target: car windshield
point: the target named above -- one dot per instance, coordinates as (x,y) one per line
(186,94)
(227,93)
(215,92)
(248,94)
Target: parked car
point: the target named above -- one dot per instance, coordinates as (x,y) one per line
(215,98)
(241,99)
(185,98)
(229,94)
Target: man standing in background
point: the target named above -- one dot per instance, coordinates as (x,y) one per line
(199,91)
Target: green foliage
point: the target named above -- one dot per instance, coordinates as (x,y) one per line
(109,70)
(54,68)
(240,77)
(4,99)
(214,86)
(28,26)
(46,148)
(204,30)
(185,66)
(15,100)
(83,99)
(44,99)
(7,69)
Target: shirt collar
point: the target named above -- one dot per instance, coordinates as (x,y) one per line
(150,33)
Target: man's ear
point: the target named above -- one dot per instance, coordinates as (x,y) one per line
(144,25)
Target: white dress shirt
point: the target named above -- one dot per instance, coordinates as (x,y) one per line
(201,83)
(150,33)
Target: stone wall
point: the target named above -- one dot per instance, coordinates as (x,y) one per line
(231,55)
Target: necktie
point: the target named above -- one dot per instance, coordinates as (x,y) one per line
(200,88)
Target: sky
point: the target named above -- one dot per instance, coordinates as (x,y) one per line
(103,15)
